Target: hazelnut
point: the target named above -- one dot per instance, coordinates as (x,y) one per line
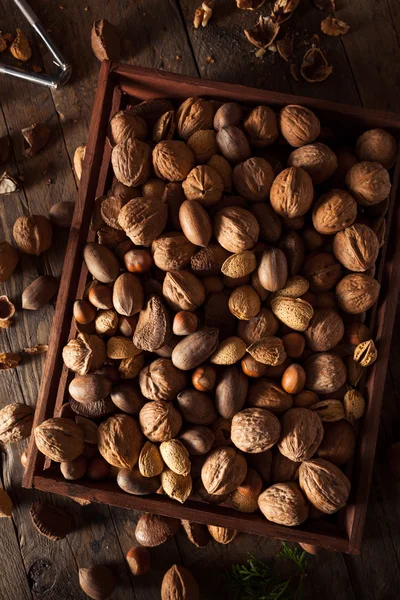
(334,211)
(100,296)
(138,261)
(261,126)
(204,377)
(184,323)
(356,247)
(204,185)
(253,179)
(294,379)
(131,161)
(377,145)
(292,193)
(357,293)
(369,182)
(317,159)
(74,469)
(233,144)
(138,559)
(236,229)
(172,160)
(192,115)
(203,144)
(33,234)
(299,125)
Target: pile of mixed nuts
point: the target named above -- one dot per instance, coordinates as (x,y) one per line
(221,334)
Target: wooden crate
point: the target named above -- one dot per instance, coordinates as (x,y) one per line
(119,85)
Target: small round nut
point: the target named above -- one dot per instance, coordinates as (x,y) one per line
(334,211)
(292,193)
(192,115)
(369,182)
(138,559)
(317,159)
(356,247)
(284,503)
(293,379)
(377,145)
(301,435)
(184,323)
(299,125)
(204,378)
(255,430)
(33,234)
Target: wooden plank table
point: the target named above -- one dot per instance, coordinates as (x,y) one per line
(159,33)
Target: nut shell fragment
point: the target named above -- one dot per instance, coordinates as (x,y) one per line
(263,33)
(315,67)
(53,522)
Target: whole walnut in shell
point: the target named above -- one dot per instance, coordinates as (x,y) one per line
(160,380)
(183,291)
(302,433)
(326,373)
(223,471)
(261,126)
(179,584)
(334,211)
(131,161)
(15,423)
(59,439)
(356,247)
(160,421)
(172,251)
(84,354)
(292,193)
(369,182)
(125,125)
(263,324)
(192,115)
(172,160)
(268,394)
(253,179)
(377,145)
(357,293)
(324,484)
(143,219)
(299,125)
(236,229)
(120,441)
(33,234)
(203,185)
(325,331)
(322,270)
(317,159)
(255,430)
(284,503)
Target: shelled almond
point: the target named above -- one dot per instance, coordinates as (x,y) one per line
(220,337)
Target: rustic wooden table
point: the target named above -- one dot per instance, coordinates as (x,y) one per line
(159,33)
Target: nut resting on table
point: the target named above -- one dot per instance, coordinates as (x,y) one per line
(221,335)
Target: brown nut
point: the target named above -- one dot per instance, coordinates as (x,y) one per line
(273,269)
(325,331)
(293,312)
(269,223)
(184,323)
(284,503)
(354,406)
(119,441)
(192,115)
(329,411)
(100,296)
(292,193)
(197,440)
(195,349)
(253,179)
(322,270)
(334,211)
(302,433)
(326,373)
(261,126)
(154,530)
(39,292)
(172,251)
(222,535)
(84,354)
(283,469)
(183,291)
(127,398)
(84,313)
(203,185)
(138,261)
(131,161)
(179,578)
(133,482)
(293,379)
(231,391)
(299,125)
(268,351)
(255,430)
(153,329)
(195,223)
(101,262)
(365,354)
(160,421)
(229,351)
(338,443)
(369,183)
(204,377)
(89,388)
(138,560)
(15,423)
(124,125)
(317,159)
(61,214)
(263,324)
(97,582)
(377,145)
(233,144)
(266,393)
(224,170)
(229,113)
(196,407)
(324,484)
(244,303)
(208,261)
(160,380)
(150,463)
(172,160)
(143,219)
(203,144)
(223,471)
(74,469)
(357,293)
(33,234)
(356,247)
(294,250)
(59,439)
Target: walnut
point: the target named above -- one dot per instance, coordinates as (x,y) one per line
(263,33)
(253,179)
(317,159)
(173,160)
(292,193)
(269,223)
(84,354)
(59,439)
(124,125)
(324,484)
(369,182)
(236,229)
(172,251)
(255,430)
(164,129)
(15,423)
(299,125)
(178,582)
(183,291)
(377,145)
(131,161)
(143,219)
(223,471)
(284,503)
(322,270)
(33,234)
(334,211)
(120,441)
(192,115)
(261,325)
(302,433)
(325,331)
(204,185)
(356,247)
(160,421)
(357,293)
(315,66)
(160,380)
(261,126)
(20,48)
(326,373)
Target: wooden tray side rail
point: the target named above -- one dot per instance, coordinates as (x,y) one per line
(142,84)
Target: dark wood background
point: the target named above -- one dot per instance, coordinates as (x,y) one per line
(159,33)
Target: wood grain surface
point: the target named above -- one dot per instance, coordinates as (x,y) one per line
(160,34)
